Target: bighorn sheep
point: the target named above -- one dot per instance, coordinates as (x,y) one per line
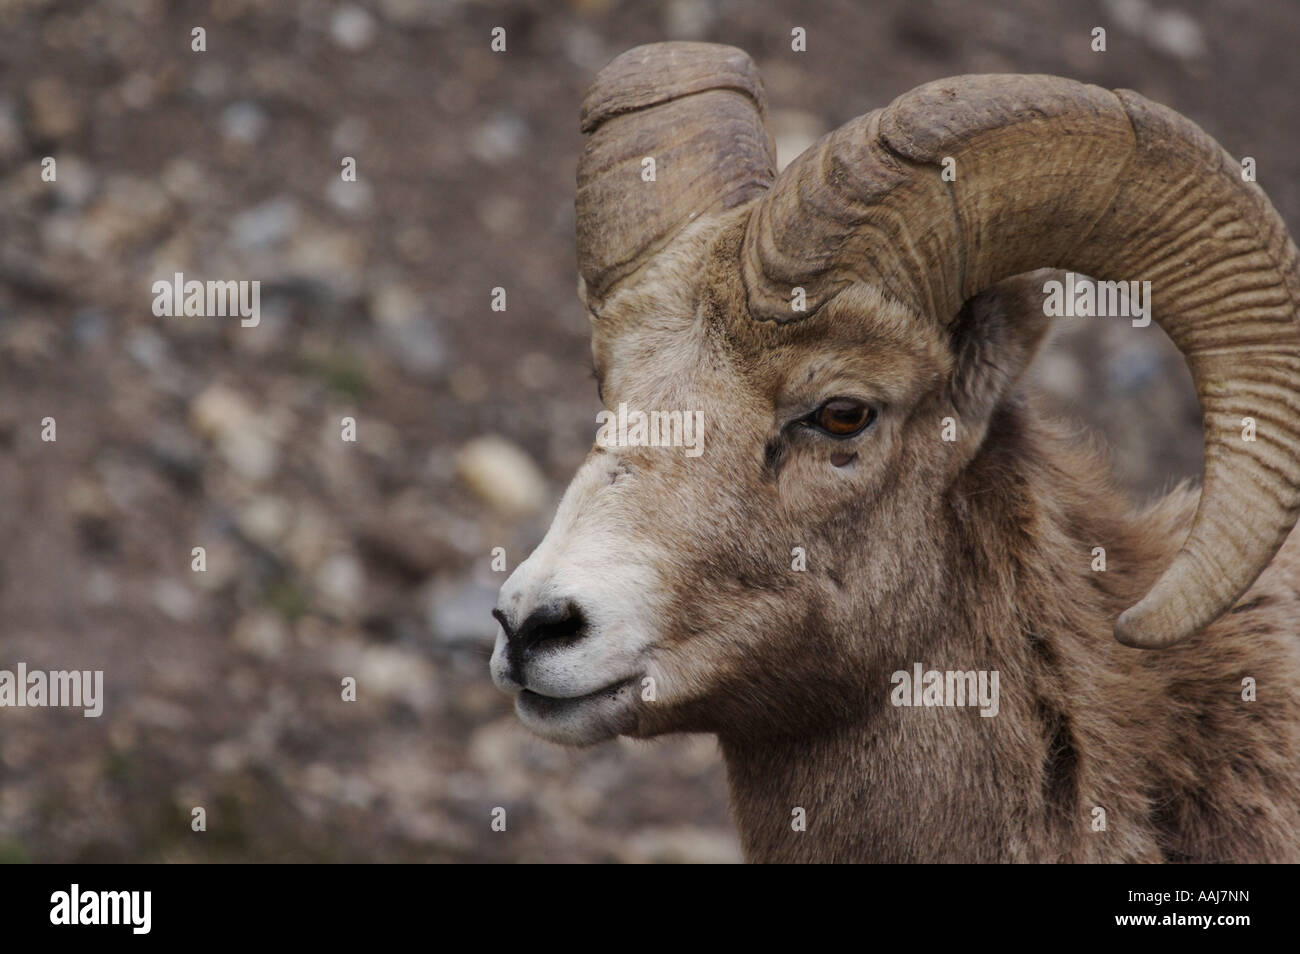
(663,597)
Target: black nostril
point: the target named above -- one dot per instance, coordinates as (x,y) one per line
(551,623)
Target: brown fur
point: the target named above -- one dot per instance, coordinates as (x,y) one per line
(973,554)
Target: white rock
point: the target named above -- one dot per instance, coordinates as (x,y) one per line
(244,122)
(175,600)
(101,587)
(250,452)
(350,198)
(76,183)
(1177,34)
(341,584)
(499,139)
(390,673)
(147,348)
(460,611)
(352,28)
(264,225)
(1172,32)
(217,410)
(502,474)
(263,520)
(243,440)
(688,19)
(311,539)
(261,634)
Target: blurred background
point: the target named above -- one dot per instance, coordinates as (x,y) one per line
(372,559)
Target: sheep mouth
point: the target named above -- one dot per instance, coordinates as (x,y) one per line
(580,720)
(540,702)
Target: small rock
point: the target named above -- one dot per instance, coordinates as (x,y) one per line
(414,12)
(175,600)
(408,333)
(217,410)
(128,210)
(393,304)
(55,110)
(76,182)
(352,28)
(183,179)
(137,90)
(1175,33)
(349,135)
(503,475)
(1172,32)
(101,587)
(209,78)
(86,500)
(157,712)
(351,198)
(264,225)
(250,453)
(391,673)
(538,371)
(242,440)
(263,520)
(468,383)
(243,122)
(90,327)
(147,348)
(688,19)
(229,756)
(461,612)
(330,257)
(500,213)
(499,139)
(261,634)
(340,585)
(310,540)
(585,48)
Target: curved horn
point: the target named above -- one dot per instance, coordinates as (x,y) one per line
(697,110)
(1054,173)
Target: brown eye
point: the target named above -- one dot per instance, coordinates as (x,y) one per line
(843,417)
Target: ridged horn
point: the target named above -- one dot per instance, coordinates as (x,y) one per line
(697,110)
(1051,173)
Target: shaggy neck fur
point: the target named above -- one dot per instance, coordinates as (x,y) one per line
(1161,742)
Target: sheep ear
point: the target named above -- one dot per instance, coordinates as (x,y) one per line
(994,340)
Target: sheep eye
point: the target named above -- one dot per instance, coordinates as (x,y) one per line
(843,417)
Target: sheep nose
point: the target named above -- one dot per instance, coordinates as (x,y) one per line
(555,623)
